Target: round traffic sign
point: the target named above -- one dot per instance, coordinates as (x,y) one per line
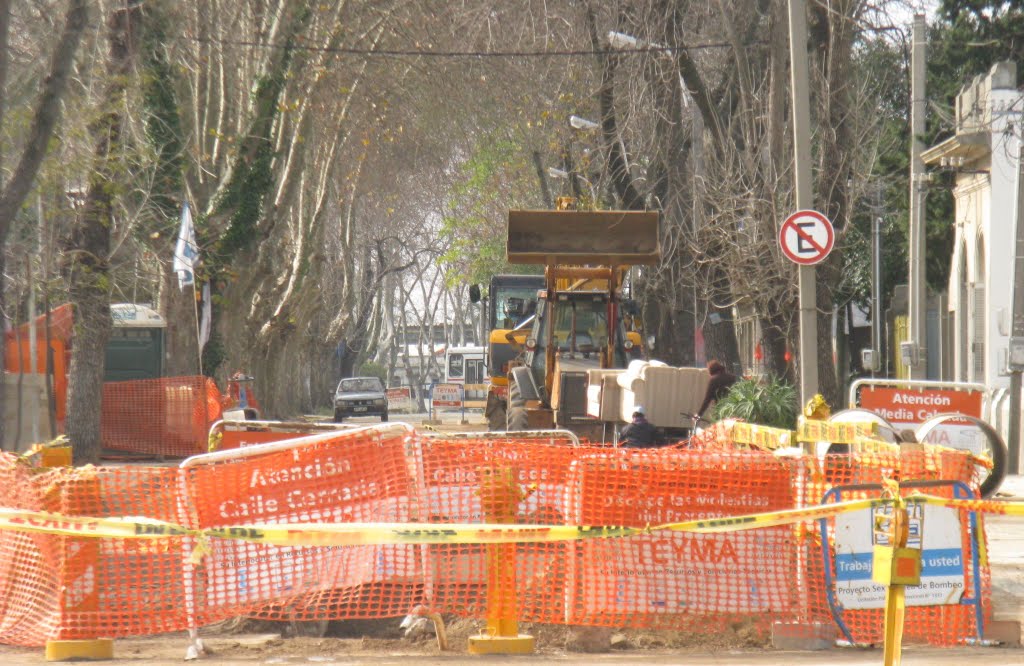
(806,237)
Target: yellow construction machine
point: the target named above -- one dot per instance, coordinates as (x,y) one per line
(578,318)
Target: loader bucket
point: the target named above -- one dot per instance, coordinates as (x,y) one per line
(603,237)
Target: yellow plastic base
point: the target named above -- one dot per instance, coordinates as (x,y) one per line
(521,644)
(96,648)
(55,456)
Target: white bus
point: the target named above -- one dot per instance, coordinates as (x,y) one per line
(467,366)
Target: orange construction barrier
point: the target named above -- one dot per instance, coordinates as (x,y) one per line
(354,476)
(54,585)
(160,417)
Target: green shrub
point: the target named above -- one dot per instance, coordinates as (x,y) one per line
(768,401)
(371,369)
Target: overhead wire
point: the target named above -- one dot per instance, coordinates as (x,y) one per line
(567,53)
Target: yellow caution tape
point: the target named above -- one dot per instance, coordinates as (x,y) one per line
(837,432)
(761,436)
(772,519)
(55,523)
(1000,507)
(352,534)
(361,534)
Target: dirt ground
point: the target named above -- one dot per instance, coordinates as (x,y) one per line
(370,641)
(382,642)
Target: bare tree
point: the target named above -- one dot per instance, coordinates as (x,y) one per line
(45,118)
(89,259)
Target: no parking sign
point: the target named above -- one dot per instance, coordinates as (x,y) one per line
(806,237)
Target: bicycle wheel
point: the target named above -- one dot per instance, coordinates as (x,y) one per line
(991,446)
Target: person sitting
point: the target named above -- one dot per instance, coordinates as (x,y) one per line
(640,433)
(719,385)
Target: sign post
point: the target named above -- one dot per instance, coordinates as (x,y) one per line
(1016,350)
(806,238)
(446,395)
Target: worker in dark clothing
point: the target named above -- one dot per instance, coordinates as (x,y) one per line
(640,433)
(719,385)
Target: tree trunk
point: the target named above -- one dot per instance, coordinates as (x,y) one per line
(44,119)
(774,342)
(165,136)
(719,329)
(90,267)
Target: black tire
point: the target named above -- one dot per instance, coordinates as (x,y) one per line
(494,411)
(338,416)
(996,449)
(383,417)
(515,417)
(497,419)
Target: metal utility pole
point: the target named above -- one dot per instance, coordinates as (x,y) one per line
(918,336)
(804,195)
(876,295)
(1016,355)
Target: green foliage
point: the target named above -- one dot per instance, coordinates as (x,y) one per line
(214,354)
(496,177)
(967,39)
(244,196)
(163,123)
(769,401)
(371,369)
(883,69)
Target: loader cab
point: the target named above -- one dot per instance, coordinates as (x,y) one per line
(513,299)
(512,302)
(573,327)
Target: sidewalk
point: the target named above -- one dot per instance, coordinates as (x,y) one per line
(1011,488)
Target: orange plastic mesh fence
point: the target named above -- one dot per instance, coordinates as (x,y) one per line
(59,587)
(70,587)
(165,417)
(355,476)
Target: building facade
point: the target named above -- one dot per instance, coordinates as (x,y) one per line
(984,156)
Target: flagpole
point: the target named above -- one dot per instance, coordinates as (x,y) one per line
(195,309)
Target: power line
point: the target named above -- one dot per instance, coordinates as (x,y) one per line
(572,53)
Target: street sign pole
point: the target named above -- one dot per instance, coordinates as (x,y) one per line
(808,352)
(1016,351)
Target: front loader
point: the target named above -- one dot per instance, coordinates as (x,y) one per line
(578,324)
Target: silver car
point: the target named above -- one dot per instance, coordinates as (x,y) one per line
(360,396)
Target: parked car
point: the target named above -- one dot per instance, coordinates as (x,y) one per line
(360,396)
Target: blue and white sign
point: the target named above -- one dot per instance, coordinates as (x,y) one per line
(934,529)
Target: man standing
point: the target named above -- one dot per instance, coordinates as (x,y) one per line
(719,385)
(641,433)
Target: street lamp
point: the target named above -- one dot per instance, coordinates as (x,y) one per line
(620,40)
(583,124)
(562,174)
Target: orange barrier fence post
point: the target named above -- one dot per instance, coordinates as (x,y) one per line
(499,498)
(78,560)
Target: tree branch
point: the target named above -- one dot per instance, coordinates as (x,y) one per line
(46,115)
